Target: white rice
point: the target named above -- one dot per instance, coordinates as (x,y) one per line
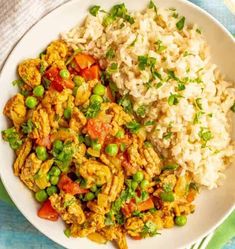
(186,53)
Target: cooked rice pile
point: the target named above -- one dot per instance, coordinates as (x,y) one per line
(165,67)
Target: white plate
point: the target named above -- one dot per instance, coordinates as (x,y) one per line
(211,206)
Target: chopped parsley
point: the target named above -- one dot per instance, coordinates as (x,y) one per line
(146,61)
(141,111)
(137,213)
(197,117)
(167,135)
(12,137)
(94,10)
(149,123)
(133,126)
(198,31)
(110,54)
(186,53)
(159,84)
(113,68)
(125,102)
(152,6)
(160,46)
(27,127)
(173,99)
(205,135)
(156,75)
(171,75)
(181,87)
(93,110)
(149,228)
(18,83)
(198,103)
(120,11)
(148,84)
(233,107)
(180,23)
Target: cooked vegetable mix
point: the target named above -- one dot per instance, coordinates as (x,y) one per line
(86,159)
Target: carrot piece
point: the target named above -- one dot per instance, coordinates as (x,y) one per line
(136,237)
(129,208)
(45,141)
(92,73)
(48,212)
(68,186)
(84,60)
(109,94)
(145,205)
(68,83)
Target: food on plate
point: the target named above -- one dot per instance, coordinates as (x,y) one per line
(117,125)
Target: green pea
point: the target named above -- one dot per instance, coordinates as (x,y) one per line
(41,196)
(180,220)
(64,73)
(134,185)
(67,232)
(41,153)
(144,184)
(96,99)
(31,102)
(54,171)
(67,113)
(58,145)
(38,91)
(89,196)
(138,176)
(51,190)
(112,149)
(99,89)
(93,188)
(78,80)
(120,134)
(167,196)
(54,180)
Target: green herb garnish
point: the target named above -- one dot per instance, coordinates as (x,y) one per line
(27,127)
(125,102)
(12,137)
(133,126)
(110,54)
(94,10)
(180,23)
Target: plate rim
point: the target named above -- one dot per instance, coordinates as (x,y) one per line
(2,71)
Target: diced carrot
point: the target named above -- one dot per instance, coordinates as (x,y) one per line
(129,208)
(191,195)
(84,60)
(68,186)
(97,129)
(68,83)
(46,142)
(136,237)
(145,205)
(48,212)
(51,73)
(91,73)
(109,94)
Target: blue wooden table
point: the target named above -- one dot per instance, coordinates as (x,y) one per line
(16,232)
